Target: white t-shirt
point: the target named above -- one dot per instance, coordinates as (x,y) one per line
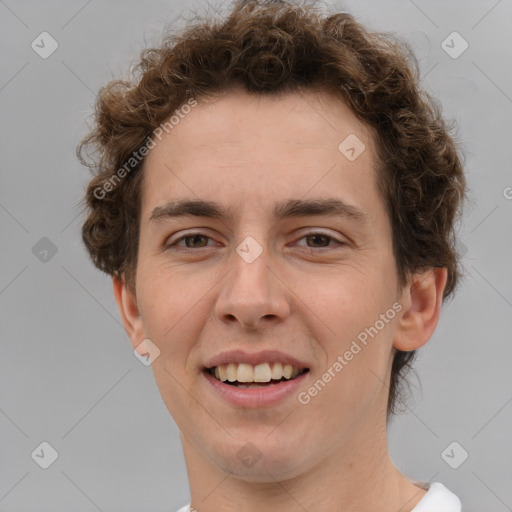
(437,499)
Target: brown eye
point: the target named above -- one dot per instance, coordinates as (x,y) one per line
(192,241)
(319,240)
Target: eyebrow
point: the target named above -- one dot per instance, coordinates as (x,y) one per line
(283,210)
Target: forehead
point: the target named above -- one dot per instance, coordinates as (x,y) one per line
(262,146)
(295,118)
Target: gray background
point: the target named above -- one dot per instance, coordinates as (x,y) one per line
(68,374)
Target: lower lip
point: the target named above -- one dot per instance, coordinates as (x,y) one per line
(257,397)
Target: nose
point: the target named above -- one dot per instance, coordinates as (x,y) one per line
(253,295)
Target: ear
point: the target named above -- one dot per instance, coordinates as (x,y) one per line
(422,299)
(127,303)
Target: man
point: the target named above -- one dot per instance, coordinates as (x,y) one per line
(274,198)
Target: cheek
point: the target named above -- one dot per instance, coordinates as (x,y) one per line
(344,315)
(167,308)
(169,311)
(344,300)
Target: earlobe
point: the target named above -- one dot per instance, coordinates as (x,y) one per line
(128,308)
(423,298)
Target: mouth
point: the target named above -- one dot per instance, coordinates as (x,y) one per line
(247,376)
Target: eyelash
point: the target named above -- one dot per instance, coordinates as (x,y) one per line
(306,235)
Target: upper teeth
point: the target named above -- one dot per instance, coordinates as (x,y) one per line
(264,372)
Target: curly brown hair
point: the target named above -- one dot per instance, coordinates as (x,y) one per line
(269,47)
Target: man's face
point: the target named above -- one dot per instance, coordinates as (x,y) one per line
(302,287)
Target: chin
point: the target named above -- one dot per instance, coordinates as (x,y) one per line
(260,460)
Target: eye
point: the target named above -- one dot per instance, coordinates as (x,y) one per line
(317,237)
(195,239)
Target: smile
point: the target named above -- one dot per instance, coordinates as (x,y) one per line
(247,376)
(249,392)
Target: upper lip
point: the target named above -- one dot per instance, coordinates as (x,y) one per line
(265,356)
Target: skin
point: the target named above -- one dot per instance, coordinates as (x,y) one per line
(305,296)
